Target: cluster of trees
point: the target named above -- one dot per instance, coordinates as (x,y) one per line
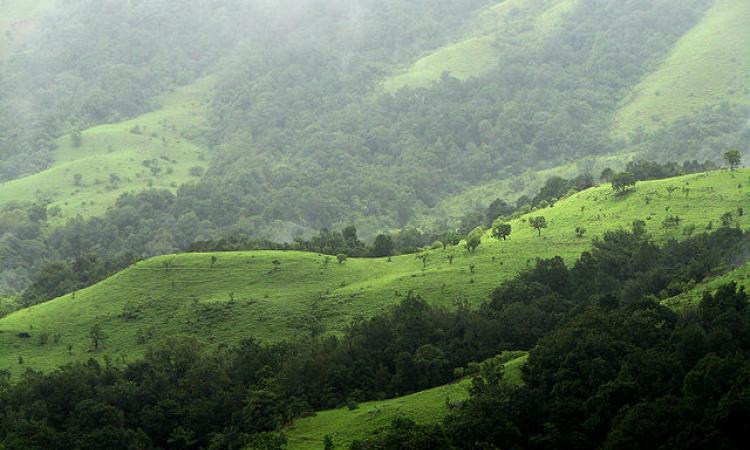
(185,395)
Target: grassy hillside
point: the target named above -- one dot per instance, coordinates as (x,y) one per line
(510,22)
(247,294)
(345,425)
(708,66)
(740,275)
(117,158)
(17,18)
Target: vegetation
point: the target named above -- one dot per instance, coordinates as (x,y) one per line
(272,303)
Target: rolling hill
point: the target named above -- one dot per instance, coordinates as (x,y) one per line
(276,295)
(345,425)
(708,66)
(156,149)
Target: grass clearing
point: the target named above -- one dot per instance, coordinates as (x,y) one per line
(708,66)
(152,150)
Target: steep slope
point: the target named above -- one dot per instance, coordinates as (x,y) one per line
(511,22)
(280,295)
(708,66)
(345,425)
(152,150)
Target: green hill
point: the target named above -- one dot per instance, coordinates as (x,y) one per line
(246,293)
(509,22)
(708,66)
(152,150)
(345,425)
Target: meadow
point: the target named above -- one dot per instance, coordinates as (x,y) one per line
(275,295)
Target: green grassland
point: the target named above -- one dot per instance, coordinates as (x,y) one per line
(17,18)
(345,425)
(112,158)
(708,66)
(510,22)
(246,294)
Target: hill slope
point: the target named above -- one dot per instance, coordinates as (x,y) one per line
(152,150)
(246,293)
(345,425)
(708,66)
(475,53)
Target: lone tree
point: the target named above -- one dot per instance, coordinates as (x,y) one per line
(501,230)
(97,336)
(213,261)
(383,246)
(538,223)
(671,190)
(474,239)
(623,181)
(733,159)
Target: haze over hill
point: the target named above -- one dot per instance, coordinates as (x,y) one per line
(220,216)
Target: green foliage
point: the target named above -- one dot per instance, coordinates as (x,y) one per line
(538,223)
(501,230)
(623,182)
(733,158)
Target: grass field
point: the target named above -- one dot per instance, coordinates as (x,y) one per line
(511,22)
(345,425)
(708,66)
(112,159)
(247,294)
(16,18)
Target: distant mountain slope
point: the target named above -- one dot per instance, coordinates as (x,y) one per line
(510,22)
(17,17)
(278,295)
(152,150)
(708,66)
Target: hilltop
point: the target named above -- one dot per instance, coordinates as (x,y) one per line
(277,295)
